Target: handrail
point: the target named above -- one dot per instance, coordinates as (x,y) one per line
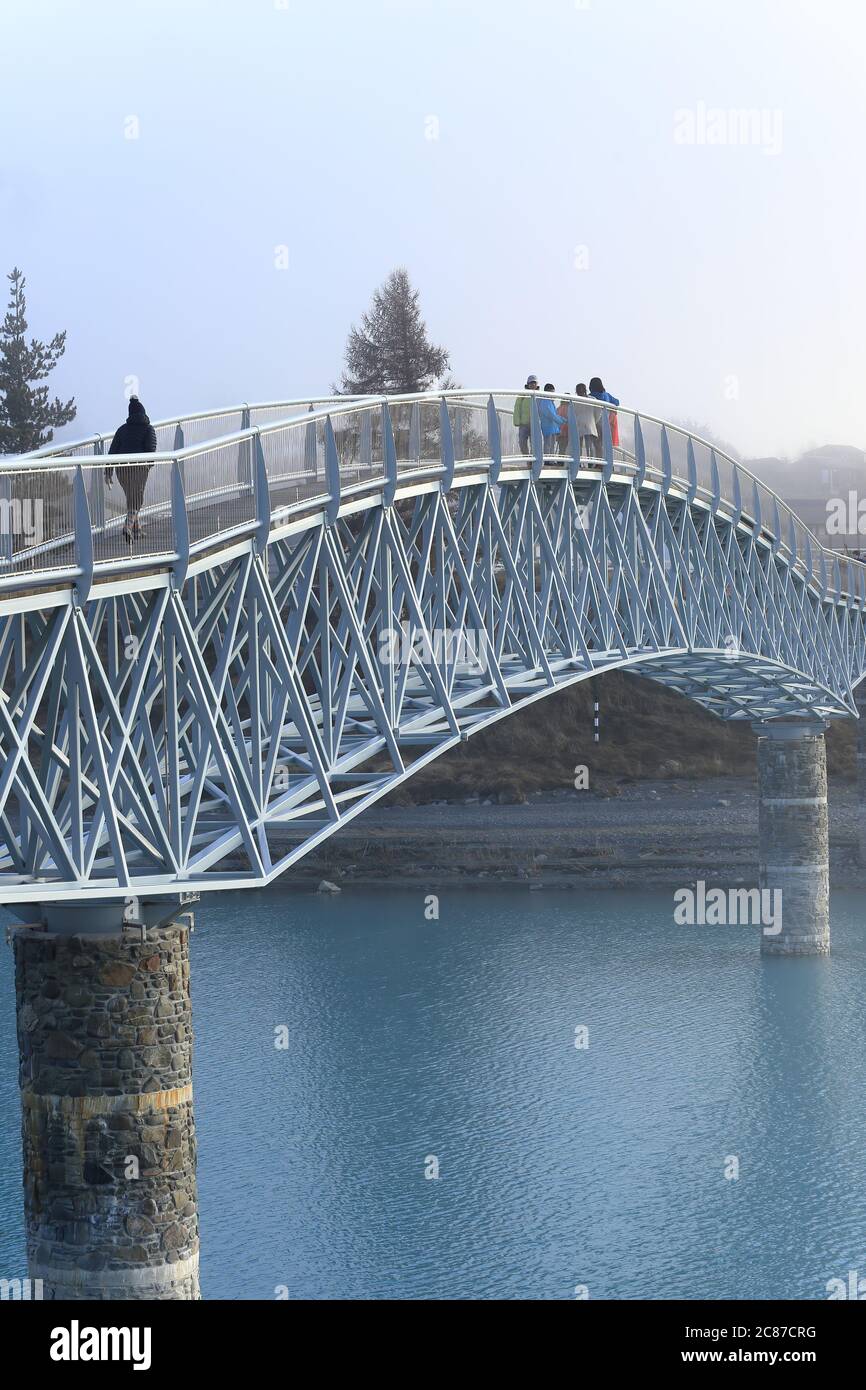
(61,447)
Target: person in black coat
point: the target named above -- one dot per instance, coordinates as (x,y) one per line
(136,436)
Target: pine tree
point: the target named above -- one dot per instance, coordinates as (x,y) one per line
(28,418)
(390,354)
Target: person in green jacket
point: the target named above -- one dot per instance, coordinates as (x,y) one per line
(522,416)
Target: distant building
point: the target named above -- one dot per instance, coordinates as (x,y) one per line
(811,483)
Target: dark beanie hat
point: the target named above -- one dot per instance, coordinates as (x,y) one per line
(136,409)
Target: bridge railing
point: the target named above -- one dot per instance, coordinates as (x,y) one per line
(180,430)
(59,512)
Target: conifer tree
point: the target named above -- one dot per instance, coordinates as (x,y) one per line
(390,353)
(28,418)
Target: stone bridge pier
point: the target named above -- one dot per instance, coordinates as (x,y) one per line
(860,702)
(105,1054)
(793,834)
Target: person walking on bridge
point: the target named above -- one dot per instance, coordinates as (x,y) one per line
(550,419)
(523,415)
(135,436)
(597,391)
(588,420)
(562,412)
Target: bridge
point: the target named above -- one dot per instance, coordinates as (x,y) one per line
(326,600)
(327,595)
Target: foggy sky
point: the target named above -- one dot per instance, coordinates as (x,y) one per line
(550,173)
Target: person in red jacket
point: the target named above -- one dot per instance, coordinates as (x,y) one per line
(597,391)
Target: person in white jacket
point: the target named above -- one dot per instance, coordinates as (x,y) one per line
(588,423)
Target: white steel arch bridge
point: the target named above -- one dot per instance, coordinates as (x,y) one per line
(329,594)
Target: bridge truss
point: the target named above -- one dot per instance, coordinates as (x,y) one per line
(324,604)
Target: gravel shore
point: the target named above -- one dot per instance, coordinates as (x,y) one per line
(645,833)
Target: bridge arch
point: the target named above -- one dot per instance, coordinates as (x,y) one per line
(327,598)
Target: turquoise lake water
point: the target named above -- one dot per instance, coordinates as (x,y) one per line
(412,1040)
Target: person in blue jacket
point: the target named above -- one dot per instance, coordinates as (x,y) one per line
(598,393)
(550,419)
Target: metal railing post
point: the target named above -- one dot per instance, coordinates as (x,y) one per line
(717,482)
(574,441)
(310,458)
(536,438)
(390,456)
(693,469)
(738,497)
(178,445)
(494,441)
(332,473)
(606,444)
(245,455)
(756,506)
(807,556)
(639,454)
(667,468)
(262,498)
(179,524)
(777,526)
(83,537)
(446,446)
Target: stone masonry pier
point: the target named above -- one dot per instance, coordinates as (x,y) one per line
(105,1042)
(793,835)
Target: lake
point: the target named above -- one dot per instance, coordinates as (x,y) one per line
(450,1044)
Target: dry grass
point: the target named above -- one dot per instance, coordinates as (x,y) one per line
(646,732)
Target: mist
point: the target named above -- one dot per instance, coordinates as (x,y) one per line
(206,194)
